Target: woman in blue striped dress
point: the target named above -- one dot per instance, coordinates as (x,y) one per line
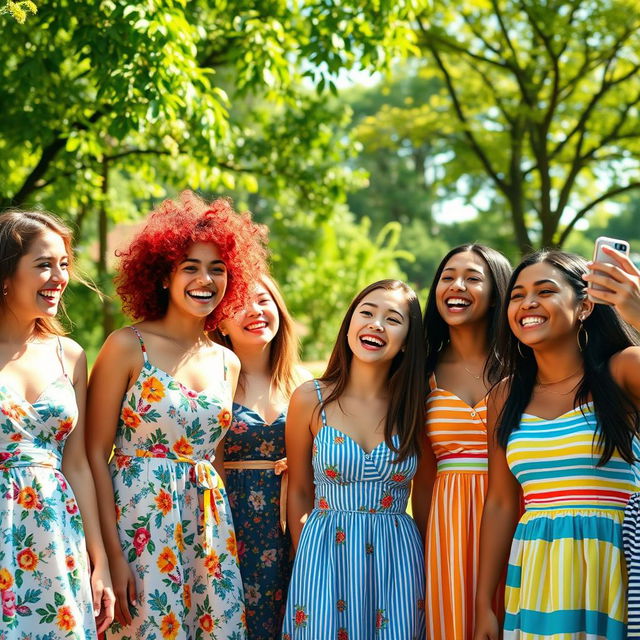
(354,434)
(561,426)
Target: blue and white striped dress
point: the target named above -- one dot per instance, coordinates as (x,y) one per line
(631,538)
(359,569)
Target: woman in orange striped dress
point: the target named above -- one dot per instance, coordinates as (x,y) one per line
(460,320)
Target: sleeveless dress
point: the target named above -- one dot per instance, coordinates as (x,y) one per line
(631,537)
(566,578)
(254,495)
(457,433)
(44,569)
(359,569)
(173,518)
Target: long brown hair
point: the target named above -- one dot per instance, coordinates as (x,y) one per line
(406,375)
(284,348)
(18,230)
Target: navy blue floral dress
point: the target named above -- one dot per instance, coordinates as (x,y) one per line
(254,496)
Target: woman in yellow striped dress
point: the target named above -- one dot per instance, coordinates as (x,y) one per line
(561,427)
(460,319)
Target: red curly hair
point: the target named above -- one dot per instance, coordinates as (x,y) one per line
(171,229)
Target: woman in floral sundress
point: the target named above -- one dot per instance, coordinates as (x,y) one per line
(262,336)
(45,585)
(162,391)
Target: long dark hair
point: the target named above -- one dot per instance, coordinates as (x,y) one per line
(617,416)
(406,375)
(436,330)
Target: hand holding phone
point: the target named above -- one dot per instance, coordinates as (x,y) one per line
(600,257)
(614,280)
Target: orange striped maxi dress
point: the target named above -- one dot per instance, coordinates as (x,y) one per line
(458,437)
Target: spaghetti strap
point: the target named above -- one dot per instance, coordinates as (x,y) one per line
(60,352)
(224,365)
(432,381)
(142,347)
(323,415)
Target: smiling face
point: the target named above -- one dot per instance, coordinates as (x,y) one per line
(35,289)
(543,307)
(463,292)
(257,324)
(379,325)
(198,282)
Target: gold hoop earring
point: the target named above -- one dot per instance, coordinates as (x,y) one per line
(582,346)
(520,350)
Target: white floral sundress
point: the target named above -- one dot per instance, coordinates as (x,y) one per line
(173,518)
(44,574)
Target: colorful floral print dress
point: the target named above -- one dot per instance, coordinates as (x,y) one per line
(359,569)
(173,518)
(44,569)
(254,495)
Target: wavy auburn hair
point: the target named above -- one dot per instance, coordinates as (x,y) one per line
(406,375)
(18,230)
(172,228)
(617,416)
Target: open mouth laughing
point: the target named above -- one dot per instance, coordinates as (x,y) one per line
(371,342)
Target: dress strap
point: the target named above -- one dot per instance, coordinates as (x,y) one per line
(142,347)
(323,415)
(60,352)
(432,381)
(224,364)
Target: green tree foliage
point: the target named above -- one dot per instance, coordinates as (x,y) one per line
(545,95)
(339,262)
(107,107)
(18,10)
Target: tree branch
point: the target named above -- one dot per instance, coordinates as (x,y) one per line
(616,191)
(479,151)
(47,156)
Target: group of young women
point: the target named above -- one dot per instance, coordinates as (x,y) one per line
(168,500)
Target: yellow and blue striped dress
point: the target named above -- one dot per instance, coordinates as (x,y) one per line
(566,578)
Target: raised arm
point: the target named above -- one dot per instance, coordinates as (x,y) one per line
(111,376)
(622,282)
(76,470)
(499,519)
(299,444)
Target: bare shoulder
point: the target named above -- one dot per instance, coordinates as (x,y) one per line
(122,347)
(73,352)
(231,359)
(625,368)
(305,396)
(75,359)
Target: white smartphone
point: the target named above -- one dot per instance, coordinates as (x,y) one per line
(600,256)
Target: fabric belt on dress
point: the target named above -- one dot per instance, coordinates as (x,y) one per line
(474,462)
(29,457)
(279,468)
(207,479)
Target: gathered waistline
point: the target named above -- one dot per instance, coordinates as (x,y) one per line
(279,468)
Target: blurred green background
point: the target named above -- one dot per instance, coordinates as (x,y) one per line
(369,135)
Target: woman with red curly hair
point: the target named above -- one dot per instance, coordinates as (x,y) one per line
(162,391)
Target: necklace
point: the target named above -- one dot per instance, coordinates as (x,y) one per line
(473,375)
(549,384)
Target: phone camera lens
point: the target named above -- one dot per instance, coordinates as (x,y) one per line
(620,247)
